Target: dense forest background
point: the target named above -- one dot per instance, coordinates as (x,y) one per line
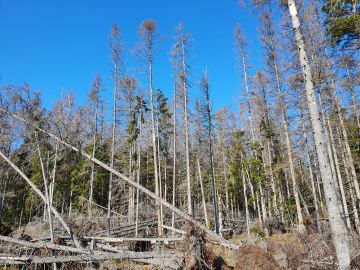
(258,164)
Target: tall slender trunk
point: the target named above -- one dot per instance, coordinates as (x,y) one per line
(312,182)
(339,176)
(246,202)
(112,149)
(247,95)
(159,163)
(138,174)
(326,129)
(301,226)
(273,187)
(93,164)
(48,202)
(348,154)
(221,216)
(212,165)
(174,159)
(259,210)
(353,101)
(350,188)
(53,175)
(202,194)
(186,127)
(338,228)
(157,192)
(131,201)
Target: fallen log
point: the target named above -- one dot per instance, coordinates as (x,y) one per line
(221,241)
(47,245)
(10,261)
(127,239)
(166,260)
(171,264)
(173,229)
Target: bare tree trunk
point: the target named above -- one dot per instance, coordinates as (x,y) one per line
(202,194)
(348,154)
(313,189)
(48,202)
(251,189)
(246,203)
(112,149)
(320,194)
(159,163)
(338,228)
(352,197)
(301,226)
(92,177)
(354,107)
(220,214)
(259,210)
(186,126)
(247,94)
(339,176)
(263,204)
(274,199)
(327,134)
(138,174)
(281,205)
(53,176)
(205,87)
(70,204)
(4,189)
(130,190)
(174,158)
(157,188)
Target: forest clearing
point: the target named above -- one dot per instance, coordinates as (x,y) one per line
(133,176)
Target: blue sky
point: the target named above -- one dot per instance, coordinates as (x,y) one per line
(61,44)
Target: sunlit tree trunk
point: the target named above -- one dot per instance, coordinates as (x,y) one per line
(338,228)
(174,157)
(202,194)
(115,52)
(138,174)
(246,203)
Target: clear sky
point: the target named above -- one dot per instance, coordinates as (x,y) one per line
(63,44)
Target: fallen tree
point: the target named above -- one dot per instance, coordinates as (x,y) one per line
(42,196)
(211,235)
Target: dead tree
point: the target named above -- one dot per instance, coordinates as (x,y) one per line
(148,34)
(338,228)
(115,49)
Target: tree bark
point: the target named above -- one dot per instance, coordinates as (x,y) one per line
(338,228)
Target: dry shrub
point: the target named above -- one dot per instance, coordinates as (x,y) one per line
(83,225)
(252,257)
(306,251)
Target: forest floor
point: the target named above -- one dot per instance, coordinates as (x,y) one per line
(290,250)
